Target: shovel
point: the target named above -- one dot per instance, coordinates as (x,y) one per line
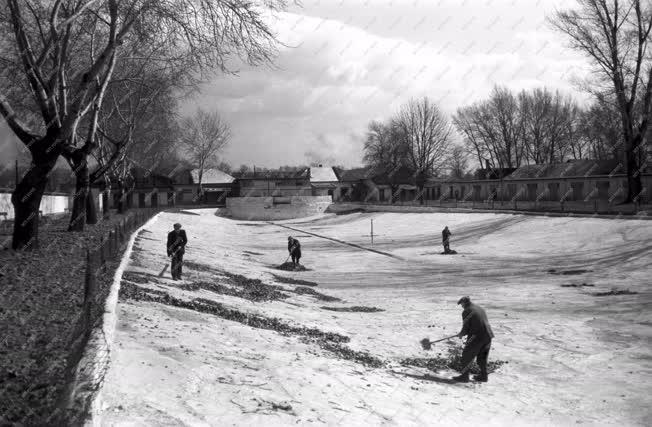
(427,344)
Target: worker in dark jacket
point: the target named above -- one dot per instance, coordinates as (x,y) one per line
(294,248)
(475,326)
(445,239)
(176,247)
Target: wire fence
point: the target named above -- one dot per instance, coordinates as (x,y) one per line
(88,361)
(600,207)
(55,363)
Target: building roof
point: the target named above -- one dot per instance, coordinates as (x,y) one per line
(211,176)
(572,168)
(322,174)
(355,174)
(301,173)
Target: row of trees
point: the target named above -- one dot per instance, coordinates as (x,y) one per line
(539,126)
(88,81)
(508,130)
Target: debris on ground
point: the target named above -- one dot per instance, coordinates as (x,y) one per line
(301,290)
(568,272)
(575,285)
(138,293)
(354,309)
(451,252)
(291,281)
(199,267)
(288,266)
(344,352)
(329,341)
(615,292)
(451,360)
(251,289)
(251,253)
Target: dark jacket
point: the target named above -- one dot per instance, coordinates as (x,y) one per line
(445,234)
(475,323)
(177,241)
(294,247)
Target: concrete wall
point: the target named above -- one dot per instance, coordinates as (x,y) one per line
(51,203)
(270,208)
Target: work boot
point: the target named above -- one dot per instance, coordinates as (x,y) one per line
(463,378)
(481,378)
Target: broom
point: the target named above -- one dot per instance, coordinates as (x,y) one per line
(426,344)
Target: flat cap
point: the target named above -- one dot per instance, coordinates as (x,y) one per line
(464,300)
(176,224)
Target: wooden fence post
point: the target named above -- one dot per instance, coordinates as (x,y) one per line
(89,290)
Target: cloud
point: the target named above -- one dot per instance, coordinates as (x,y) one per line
(351,66)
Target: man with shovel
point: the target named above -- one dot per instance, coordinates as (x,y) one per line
(294,248)
(476,326)
(177,241)
(445,239)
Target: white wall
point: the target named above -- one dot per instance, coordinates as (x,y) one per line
(263,208)
(49,204)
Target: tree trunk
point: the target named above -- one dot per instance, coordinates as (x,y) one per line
(106,208)
(80,200)
(91,208)
(26,199)
(634,185)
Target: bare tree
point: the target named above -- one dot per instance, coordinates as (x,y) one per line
(493,130)
(426,132)
(615,35)
(457,162)
(203,136)
(62,53)
(386,150)
(549,121)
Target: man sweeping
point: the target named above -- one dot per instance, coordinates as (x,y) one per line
(294,248)
(445,239)
(476,326)
(177,241)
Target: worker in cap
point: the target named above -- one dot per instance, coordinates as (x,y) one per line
(446,239)
(475,326)
(176,247)
(294,248)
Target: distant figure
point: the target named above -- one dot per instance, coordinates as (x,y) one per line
(475,325)
(294,248)
(177,241)
(445,239)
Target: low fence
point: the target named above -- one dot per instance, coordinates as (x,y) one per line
(72,408)
(276,208)
(601,207)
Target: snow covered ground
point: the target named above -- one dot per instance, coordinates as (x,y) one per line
(574,358)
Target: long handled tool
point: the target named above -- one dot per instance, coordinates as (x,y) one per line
(427,344)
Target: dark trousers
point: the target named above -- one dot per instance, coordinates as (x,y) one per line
(177,263)
(446,245)
(295,259)
(476,349)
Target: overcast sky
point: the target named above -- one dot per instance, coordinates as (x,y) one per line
(353,61)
